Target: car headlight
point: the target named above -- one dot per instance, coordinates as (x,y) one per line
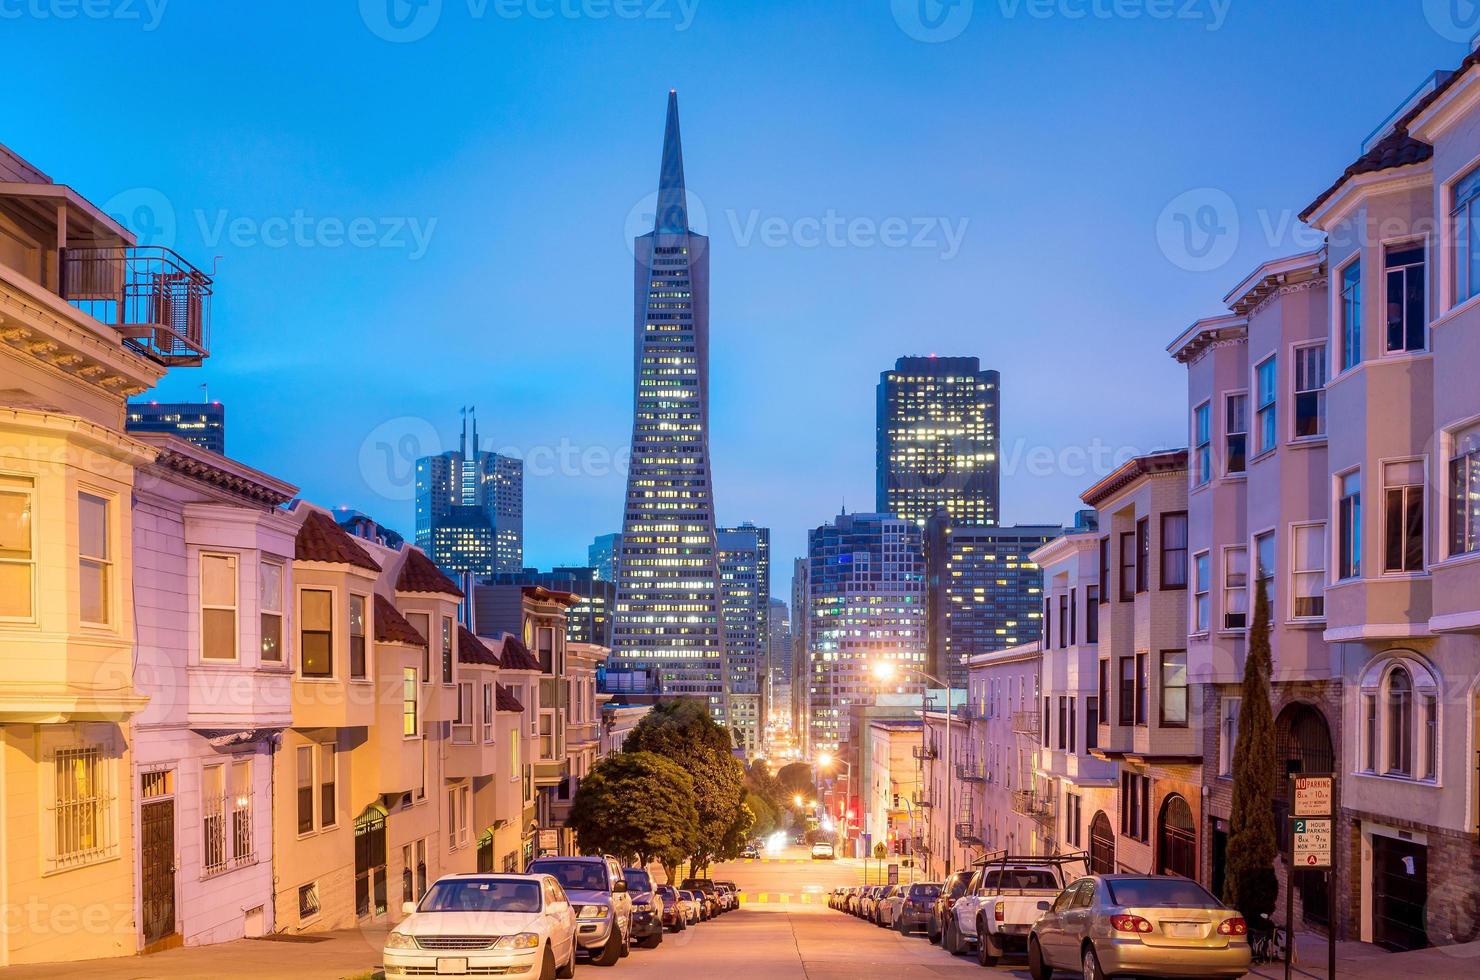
(592,912)
(399,940)
(524,940)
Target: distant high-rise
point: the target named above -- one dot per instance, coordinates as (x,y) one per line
(983,592)
(866,606)
(588,621)
(745,585)
(201,423)
(470,508)
(601,554)
(937,432)
(668,618)
(778,659)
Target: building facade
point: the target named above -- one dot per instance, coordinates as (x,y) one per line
(865,608)
(778,663)
(745,586)
(983,591)
(470,508)
(938,441)
(201,423)
(588,621)
(601,556)
(668,622)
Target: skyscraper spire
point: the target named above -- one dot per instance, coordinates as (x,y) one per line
(673,206)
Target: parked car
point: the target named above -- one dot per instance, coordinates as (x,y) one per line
(1147,925)
(488,923)
(703,889)
(597,889)
(822,851)
(887,907)
(1000,904)
(914,911)
(674,918)
(952,889)
(693,907)
(801,840)
(870,900)
(751,852)
(647,908)
(734,891)
(725,896)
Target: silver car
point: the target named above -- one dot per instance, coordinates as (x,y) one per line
(1146,925)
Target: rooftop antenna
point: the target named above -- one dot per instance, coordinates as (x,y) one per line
(462,442)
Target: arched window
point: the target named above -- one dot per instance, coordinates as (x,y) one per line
(1400,718)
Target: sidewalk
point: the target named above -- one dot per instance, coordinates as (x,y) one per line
(1363,961)
(316,956)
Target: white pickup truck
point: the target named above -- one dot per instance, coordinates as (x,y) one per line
(1001,902)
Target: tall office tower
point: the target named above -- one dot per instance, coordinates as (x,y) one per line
(778,660)
(866,597)
(745,586)
(470,508)
(667,625)
(937,432)
(588,621)
(601,555)
(201,423)
(801,660)
(983,592)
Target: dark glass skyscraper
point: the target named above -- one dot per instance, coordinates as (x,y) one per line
(668,620)
(470,509)
(203,423)
(938,440)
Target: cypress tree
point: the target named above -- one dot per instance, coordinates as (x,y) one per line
(1249,882)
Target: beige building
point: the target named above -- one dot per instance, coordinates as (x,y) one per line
(890,800)
(80,331)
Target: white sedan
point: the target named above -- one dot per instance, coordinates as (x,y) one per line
(476,924)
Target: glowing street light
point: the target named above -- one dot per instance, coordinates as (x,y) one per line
(797,799)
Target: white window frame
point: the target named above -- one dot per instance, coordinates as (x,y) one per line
(1375,758)
(1450,443)
(1202,594)
(414,702)
(1423,492)
(25,488)
(490,705)
(106,563)
(1338,316)
(1261,407)
(103,803)
(1228,590)
(1229,433)
(301,624)
(1202,443)
(1359,544)
(274,607)
(1399,244)
(233,562)
(1297,352)
(1297,572)
(364,637)
(462,721)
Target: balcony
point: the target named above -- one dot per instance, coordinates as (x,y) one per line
(966,834)
(971,772)
(157,301)
(1033,804)
(1025,723)
(925,753)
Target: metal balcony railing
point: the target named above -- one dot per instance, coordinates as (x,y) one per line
(1025,723)
(1032,804)
(157,301)
(924,752)
(966,833)
(971,772)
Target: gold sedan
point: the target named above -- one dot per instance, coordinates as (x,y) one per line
(1146,925)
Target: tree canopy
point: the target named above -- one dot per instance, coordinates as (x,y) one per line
(637,805)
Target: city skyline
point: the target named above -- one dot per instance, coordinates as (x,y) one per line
(312,158)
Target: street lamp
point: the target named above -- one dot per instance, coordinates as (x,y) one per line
(885,670)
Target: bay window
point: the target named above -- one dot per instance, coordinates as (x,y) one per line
(1264,567)
(1351,315)
(1310,391)
(1127,691)
(1127,566)
(1202,442)
(316,632)
(1464,492)
(357,666)
(1403,485)
(410,706)
(1465,225)
(270,609)
(1236,434)
(218,607)
(1308,570)
(1201,573)
(1406,299)
(1143,554)
(1235,588)
(1174,688)
(1349,526)
(1265,414)
(17,550)
(1174,550)
(94,561)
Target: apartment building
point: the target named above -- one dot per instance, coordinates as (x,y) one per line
(891,784)
(82,328)
(1152,724)
(1002,805)
(1074,793)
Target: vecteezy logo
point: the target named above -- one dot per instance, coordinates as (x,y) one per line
(389,453)
(932,21)
(1453,20)
(644,217)
(401,21)
(1198,230)
(146,212)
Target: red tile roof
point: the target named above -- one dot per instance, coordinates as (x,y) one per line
(392,627)
(470,649)
(516,656)
(542,594)
(420,574)
(320,539)
(505,700)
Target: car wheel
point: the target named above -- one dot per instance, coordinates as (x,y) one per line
(627,942)
(653,941)
(932,933)
(569,969)
(1091,965)
(611,952)
(987,951)
(1037,968)
(901,928)
(951,940)
(547,967)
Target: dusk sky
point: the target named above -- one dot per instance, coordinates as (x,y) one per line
(869,194)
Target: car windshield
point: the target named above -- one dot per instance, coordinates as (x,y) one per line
(482,895)
(1160,892)
(957,885)
(666,891)
(1019,878)
(924,891)
(638,880)
(582,875)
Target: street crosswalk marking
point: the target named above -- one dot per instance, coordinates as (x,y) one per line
(779,898)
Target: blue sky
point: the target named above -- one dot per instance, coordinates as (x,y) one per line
(408,220)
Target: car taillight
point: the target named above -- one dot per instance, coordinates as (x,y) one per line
(1000,912)
(1129,923)
(1233,927)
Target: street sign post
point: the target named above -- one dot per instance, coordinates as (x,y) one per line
(1311,796)
(1312,851)
(1310,842)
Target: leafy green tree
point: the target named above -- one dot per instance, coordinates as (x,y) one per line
(766,819)
(1249,884)
(638,806)
(682,730)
